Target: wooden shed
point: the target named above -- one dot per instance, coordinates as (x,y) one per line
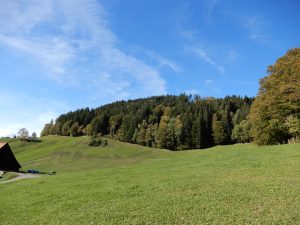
(8,161)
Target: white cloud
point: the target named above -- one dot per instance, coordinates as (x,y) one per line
(189,35)
(208,81)
(20,17)
(256,28)
(198,48)
(162,61)
(72,41)
(200,53)
(145,76)
(53,54)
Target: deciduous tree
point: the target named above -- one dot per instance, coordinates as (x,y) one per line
(278,99)
(23,134)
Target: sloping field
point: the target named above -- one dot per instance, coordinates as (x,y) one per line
(129,184)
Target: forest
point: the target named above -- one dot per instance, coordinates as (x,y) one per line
(172,122)
(192,122)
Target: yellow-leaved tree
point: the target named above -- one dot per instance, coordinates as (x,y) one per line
(276,109)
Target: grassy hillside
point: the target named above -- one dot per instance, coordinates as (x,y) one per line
(128,184)
(65,154)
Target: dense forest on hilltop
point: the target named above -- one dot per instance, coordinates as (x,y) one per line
(191,122)
(171,122)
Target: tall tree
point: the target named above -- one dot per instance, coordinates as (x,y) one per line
(141,135)
(74,129)
(66,128)
(241,132)
(46,130)
(293,125)
(163,132)
(128,128)
(23,134)
(33,135)
(197,131)
(219,130)
(278,98)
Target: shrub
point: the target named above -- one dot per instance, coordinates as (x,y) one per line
(97,141)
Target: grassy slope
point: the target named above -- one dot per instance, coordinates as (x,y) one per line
(128,184)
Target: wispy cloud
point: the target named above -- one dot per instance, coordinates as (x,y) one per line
(20,17)
(255,24)
(189,35)
(210,6)
(256,27)
(70,44)
(200,53)
(72,41)
(162,60)
(198,47)
(53,54)
(208,81)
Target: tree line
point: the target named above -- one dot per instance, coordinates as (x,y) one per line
(191,122)
(171,122)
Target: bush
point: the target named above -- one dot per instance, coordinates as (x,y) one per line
(241,132)
(31,139)
(97,141)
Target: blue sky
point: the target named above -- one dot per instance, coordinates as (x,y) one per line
(61,55)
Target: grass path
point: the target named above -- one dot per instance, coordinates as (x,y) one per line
(17,176)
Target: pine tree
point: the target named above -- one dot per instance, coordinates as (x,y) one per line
(197,131)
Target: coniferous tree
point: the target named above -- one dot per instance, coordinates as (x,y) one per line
(171,140)
(197,131)
(172,122)
(128,128)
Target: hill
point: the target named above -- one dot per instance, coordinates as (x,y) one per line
(67,154)
(129,184)
(171,122)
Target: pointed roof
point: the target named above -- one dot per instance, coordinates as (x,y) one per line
(8,161)
(2,144)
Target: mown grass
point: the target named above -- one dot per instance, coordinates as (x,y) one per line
(129,184)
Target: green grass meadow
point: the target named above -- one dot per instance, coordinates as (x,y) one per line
(129,184)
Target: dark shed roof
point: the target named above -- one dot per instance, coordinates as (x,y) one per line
(8,162)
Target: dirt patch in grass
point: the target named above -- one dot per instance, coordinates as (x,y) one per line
(13,176)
